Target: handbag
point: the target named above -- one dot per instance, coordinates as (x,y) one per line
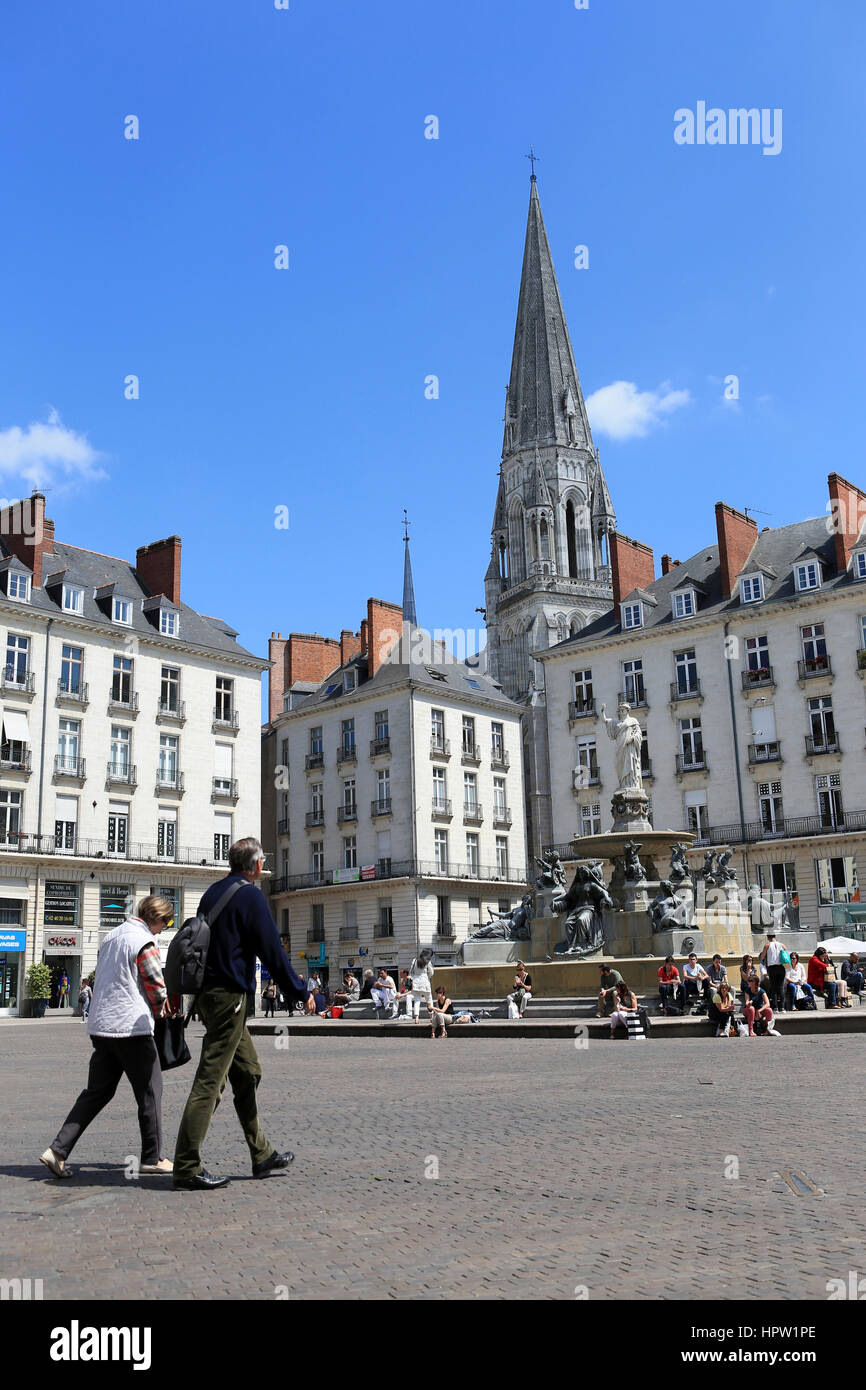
(169,1034)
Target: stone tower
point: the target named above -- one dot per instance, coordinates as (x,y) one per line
(549,573)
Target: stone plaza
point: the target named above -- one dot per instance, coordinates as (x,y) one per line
(516,1169)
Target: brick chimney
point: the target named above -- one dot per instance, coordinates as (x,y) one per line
(737,535)
(158,567)
(350,645)
(276,675)
(365,634)
(848,512)
(384,628)
(667,564)
(631,564)
(28,534)
(310,658)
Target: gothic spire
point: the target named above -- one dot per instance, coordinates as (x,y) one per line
(409,614)
(544,403)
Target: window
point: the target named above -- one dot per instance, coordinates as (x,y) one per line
(222,836)
(837,880)
(65,822)
(350,852)
(224,700)
(686,668)
(472,855)
(121,610)
(474,905)
(71,665)
(169,622)
(752,588)
(284,752)
(350,921)
(316,743)
(317,922)
(582,689)
(317,801)
(586,767)
(121,745)
(758,655)
(497,737)
(166,833)
(470,791)
(691,743)
(169,689)
(68,743)
(443,913)
(858,566)
(383,786)
(781,880)
(73,599)
(814,647)
(437,729)
(828,789)
(468,734)
(502,855)
(380,719)
(118,828)
(222,781)
(349,794)
(632,682)
(440,791)
(697,820)
(168,744)
(684,604)
(499,799)
(440,850)
(590,819)
(645,764)
(10,816)
(808,576)
(765,744)
(347,733)
(822,727)
(350,679)
(770,807)
(19,586)
(17,657)
(317,860)
(383,853)
(632,615)
(121,681)
(385,922)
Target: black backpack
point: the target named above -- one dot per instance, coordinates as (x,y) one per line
(187,952)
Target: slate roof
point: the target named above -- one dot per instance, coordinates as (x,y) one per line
(775,552)
(107,574)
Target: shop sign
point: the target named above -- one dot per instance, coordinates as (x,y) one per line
(12,940)
(62,943)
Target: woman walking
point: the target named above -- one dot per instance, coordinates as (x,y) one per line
(420,976)
(128,994)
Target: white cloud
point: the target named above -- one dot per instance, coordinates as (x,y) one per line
(47,454)
(621,411)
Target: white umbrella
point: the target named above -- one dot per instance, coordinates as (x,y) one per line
(842,945)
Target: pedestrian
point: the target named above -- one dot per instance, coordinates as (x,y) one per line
(721,1011)
(757,1004)
(696,980)
(84,997)
(776,960)
(670,989)
(440,1012)
(852,973)
(350,990)
(796,985)
(367,986)
(269,997)
(128,994)
(624,1008)
(241,933)
(383,993)
(608,981)
(521,990)
(717,972)
(420,981)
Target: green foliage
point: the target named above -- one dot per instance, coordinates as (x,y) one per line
(39,981)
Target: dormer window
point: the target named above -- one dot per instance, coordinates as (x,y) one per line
(350,679)
(858,564)
(752,588)
(73,599)
(684,603)
(168,622)
(632,615)
(121,611)
(18,586)
(808,576)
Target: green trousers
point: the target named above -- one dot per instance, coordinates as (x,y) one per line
(227,1054)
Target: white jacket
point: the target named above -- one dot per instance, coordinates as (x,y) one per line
(121,1008)
(420,977)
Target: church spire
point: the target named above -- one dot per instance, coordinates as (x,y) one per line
(409,614)
(544,404)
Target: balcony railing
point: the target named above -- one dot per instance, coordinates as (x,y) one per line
(283,826)
(861,659)
(313,761)
(119,706)
(814,666)
(440,748)
(382,929)
(407,868)
(582,709)
(691,692)
(346,814)
(765,753)
(314,818)
(502,817)
(347,753)
(224,789)
(500,759)
(379,745)
(473,812)
(349,934)
(635,700)
(381,807)
(68,694)
(786,828)
(754,679)
(69,767)
(315,935)
(14,683)
(470,752)
(646,771)
(81,848)
(816,746)
(691,762)
(121,774)
(225,721)
(586,776)
(171,713)
(165,782)
(441,808)
(445,930)
(22,764)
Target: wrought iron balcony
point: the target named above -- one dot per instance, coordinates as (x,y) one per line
(69,767)
(765,753)
(586,776)
(760,676)
(500,760)
(22,764)
(283,826)
(445,930)
(691,692)
(314,761)
(225,721)
(313,818)
(502,817)
(346,753)
(165,782)
(816,746)
(125,707)
(381,807)
(171,714)
(315,935)
(691,762)
(582,709)
(349,934)
(224,789)
(383,929)
(441,808)
(440,748)
(346,814)
(473,812)
(379,746)
(636,700)
(68,694)
(470,753)
(122,774)
(812,666)
(13,682)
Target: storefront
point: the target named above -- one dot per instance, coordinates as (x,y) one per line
(13,939)
(62,939)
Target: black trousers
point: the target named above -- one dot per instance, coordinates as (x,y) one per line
(112,1058)
(777,985)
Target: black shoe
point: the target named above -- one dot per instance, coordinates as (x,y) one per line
(200,1182)
(277,1163)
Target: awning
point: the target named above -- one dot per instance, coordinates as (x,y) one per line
(15,726)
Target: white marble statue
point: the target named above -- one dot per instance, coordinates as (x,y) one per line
(626,733)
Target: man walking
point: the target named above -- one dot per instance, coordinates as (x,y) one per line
(773,957)
(243,931)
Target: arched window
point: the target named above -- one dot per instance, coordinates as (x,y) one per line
(571,540)
(516,545)
(545,540)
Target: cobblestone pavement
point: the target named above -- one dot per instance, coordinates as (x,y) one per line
(558,1167)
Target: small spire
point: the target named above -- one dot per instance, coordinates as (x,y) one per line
(409,614)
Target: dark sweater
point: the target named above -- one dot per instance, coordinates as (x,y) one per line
(244,931)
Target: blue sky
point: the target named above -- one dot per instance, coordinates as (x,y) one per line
(304,388)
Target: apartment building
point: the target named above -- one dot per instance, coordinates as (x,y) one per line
(130,744)
(745,666)
(392,798)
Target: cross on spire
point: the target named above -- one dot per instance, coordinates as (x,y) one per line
(533,159)
(406,524)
